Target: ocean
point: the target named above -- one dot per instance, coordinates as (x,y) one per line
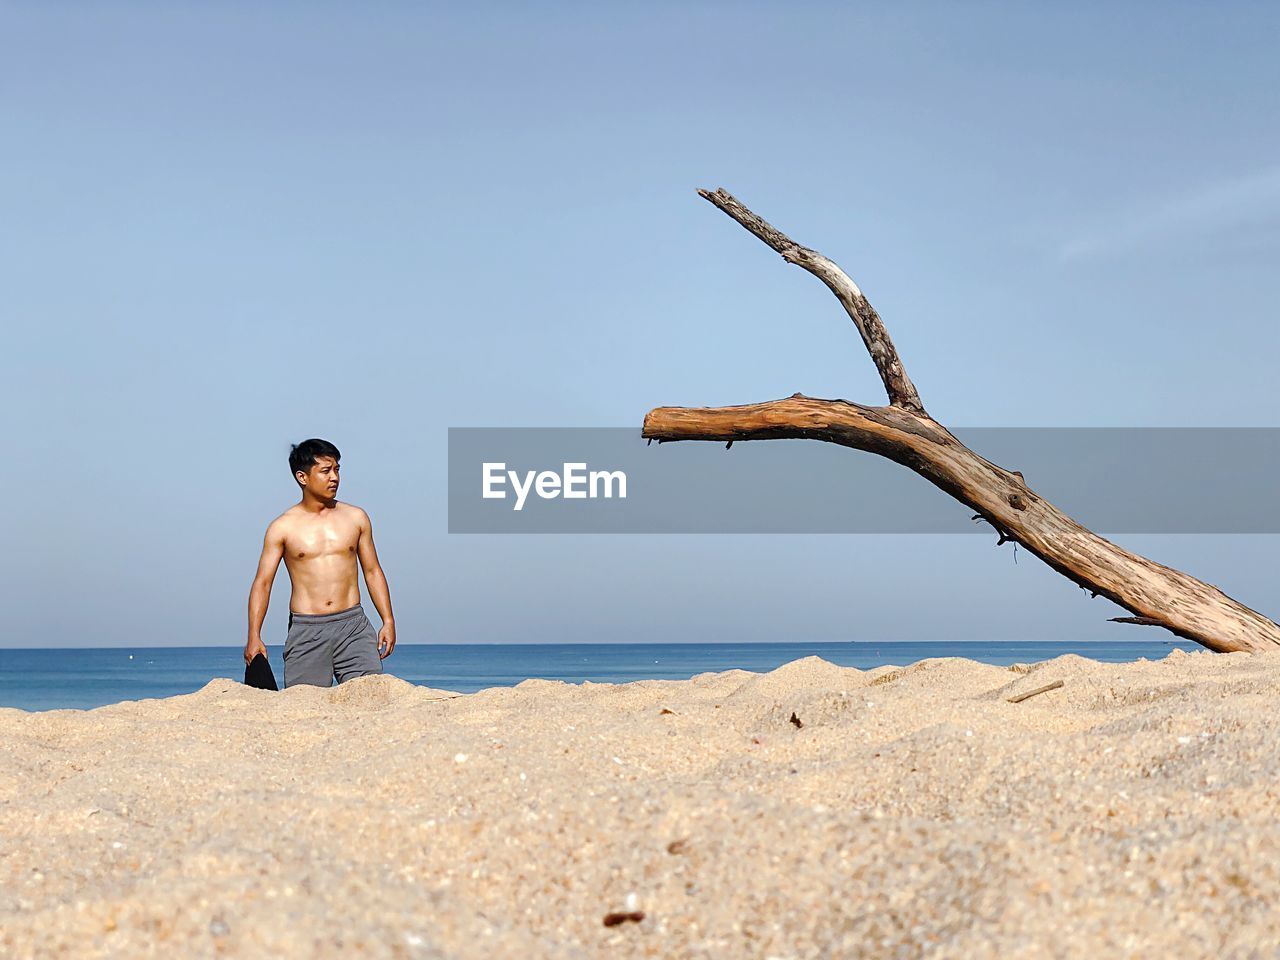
(85,678)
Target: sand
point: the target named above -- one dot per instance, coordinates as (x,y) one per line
(1135,812)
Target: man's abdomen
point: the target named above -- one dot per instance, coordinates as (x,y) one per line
(323,585)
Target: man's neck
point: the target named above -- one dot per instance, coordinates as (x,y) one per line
(313,504)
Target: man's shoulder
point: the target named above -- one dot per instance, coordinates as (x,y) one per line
(352,511)
(285,520)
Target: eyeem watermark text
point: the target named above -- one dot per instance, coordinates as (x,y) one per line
(575,482)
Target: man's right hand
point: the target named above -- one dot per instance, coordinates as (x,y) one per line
(252,649)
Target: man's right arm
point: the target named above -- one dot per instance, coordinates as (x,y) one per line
(260,592)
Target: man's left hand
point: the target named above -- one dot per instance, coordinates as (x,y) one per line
(386,640)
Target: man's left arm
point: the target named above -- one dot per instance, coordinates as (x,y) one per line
(376,581)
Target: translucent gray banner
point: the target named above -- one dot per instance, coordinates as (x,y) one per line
(1112,480)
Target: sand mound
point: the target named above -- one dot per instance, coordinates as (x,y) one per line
(912,811)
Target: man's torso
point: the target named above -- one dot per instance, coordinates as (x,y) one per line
(320,553)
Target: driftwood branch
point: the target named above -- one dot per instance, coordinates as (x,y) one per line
(905,433)
(1038,690)
(902,392)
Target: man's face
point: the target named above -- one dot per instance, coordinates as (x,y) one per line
(322,478)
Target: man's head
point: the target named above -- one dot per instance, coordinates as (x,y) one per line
(315,467)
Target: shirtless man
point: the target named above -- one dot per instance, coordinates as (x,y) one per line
(320,540)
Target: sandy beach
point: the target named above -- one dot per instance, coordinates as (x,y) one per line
(910,811)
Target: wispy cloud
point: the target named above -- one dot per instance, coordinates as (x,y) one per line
(1221,206)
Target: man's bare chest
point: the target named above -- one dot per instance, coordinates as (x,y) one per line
(313,542)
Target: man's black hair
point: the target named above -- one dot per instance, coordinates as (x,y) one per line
(304,455)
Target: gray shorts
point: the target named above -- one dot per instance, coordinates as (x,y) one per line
(322,646)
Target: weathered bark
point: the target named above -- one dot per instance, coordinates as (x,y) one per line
(905,433)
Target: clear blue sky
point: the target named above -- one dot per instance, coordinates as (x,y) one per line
(228,227)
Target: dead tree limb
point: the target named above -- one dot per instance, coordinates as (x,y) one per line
(902,392)
(905,433)
(1036,692)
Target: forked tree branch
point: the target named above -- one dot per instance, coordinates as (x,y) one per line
(902,392)
(904,433)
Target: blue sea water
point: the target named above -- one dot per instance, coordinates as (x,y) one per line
(85,678)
